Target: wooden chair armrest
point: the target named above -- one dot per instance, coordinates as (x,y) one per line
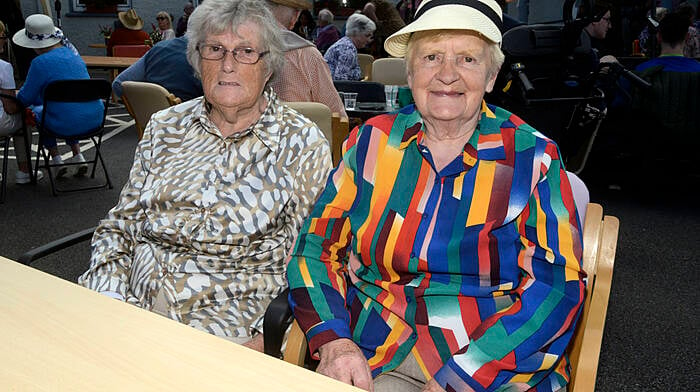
(341,128)
(295,352)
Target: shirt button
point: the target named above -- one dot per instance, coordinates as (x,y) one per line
(408,300)
(222,150)
(414,335)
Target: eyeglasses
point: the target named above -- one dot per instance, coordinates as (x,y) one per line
(241,55)
(161,18)
(3,37)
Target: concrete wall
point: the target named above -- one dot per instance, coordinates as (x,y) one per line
(83,29)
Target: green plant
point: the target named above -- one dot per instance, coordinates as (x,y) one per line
(105,31)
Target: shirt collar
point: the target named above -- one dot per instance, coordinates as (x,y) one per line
(266,129)
(486,143)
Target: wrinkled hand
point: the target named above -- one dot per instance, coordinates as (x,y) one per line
(432,386)
(342,359)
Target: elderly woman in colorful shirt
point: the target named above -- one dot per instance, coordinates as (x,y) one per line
(342,55)
(444,253)
(219,187)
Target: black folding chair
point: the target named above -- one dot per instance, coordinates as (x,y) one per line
(74,91)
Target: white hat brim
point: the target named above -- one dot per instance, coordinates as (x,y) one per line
(445,17)
(20,38)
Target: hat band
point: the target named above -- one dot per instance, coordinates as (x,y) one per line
(479,6)
(40,37)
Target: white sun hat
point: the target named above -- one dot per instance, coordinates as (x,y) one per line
(483,16)
(38,32)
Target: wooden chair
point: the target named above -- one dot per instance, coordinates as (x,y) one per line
(390,71)
(599,245)
(365,61)
(334,127)
(142,99)
(129,50)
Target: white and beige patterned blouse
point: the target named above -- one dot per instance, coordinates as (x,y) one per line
(204,223)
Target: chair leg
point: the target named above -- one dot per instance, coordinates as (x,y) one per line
(6,155)
(41,151)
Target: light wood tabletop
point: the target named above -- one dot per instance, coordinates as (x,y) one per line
(109,62)
(58,336)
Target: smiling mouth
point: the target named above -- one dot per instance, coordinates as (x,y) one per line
(447,93)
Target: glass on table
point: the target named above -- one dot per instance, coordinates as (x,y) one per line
(350,100)
(390,93)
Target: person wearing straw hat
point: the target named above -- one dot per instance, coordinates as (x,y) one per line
(55,61)
(129,33)
(445,250)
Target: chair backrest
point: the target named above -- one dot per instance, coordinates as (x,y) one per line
(599,245)
(389,70)
(581,195)
(366,91)
(671,106)
(142,99)
(76,91)
(365,61)
(334,127)
(129,50)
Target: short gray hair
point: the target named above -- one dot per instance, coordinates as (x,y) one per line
(220,16)
(495,53)
(325,15)
(358,24)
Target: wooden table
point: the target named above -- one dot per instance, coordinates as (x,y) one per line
(109,62)
(58,336)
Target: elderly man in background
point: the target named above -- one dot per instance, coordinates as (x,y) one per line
(305,76)
(219,187)
(445,251)
(327,33)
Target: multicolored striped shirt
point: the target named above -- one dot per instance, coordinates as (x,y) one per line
(475,268)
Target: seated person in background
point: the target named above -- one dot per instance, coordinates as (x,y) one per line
(692,41)
(445,251)
(644,44)
(342,55)
(599,26)
(305,76)
(673,30)
(129,33)
(219,187)
(165,25)
(388,21)
(10,114)
(165,64)
(55,61)
(305,25)
(182,22)
(327,33)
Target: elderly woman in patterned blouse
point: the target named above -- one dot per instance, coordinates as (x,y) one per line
(342,55)
(219,187)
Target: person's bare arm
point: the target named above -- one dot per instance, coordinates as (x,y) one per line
(9,105)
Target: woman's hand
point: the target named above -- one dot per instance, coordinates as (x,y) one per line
(342,359)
